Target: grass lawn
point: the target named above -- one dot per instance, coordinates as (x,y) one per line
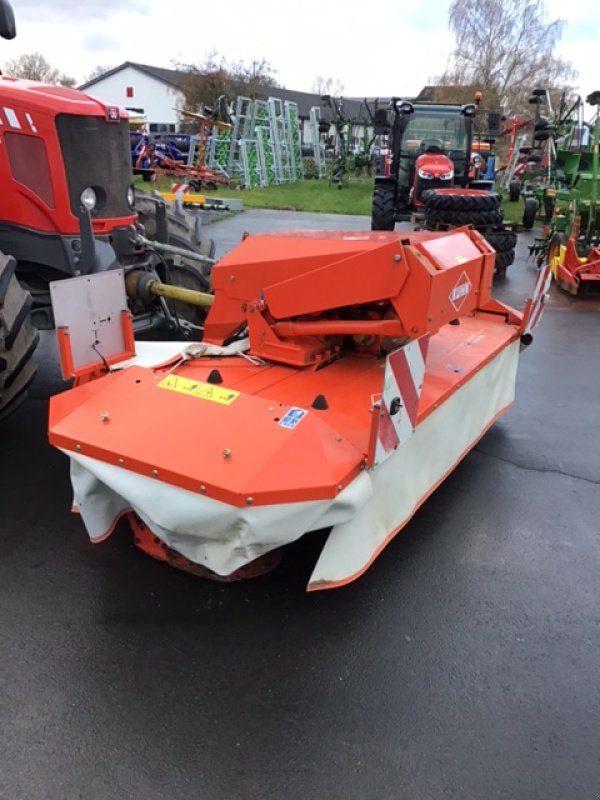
(513,212)
(316,196)
(309,195)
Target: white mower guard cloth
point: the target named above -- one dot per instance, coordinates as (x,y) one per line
(403,482)
(216,535)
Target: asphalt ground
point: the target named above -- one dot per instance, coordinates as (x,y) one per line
(464,664)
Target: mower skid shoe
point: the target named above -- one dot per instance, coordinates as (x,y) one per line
(401,484)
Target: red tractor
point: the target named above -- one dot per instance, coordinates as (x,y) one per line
(68,207)
(437,173)
(431,146)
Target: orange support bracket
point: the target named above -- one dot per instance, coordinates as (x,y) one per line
(68,366)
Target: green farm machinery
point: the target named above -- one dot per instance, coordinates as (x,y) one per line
(571,244)
(541,177)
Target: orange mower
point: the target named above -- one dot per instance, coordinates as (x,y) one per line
(341,377)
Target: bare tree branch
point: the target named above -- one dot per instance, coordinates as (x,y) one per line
(506,49)
(34,67)
(205,82)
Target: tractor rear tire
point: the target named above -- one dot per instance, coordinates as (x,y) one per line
(514,191)
(468,208)
(18,339)
(181,231)
(435,217)
(529,213)
(503,261)
(466,203)
(383,212)
(501,241)
(189,277)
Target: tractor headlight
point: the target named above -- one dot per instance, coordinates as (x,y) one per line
(88,198)
(131,197)
(425,175)
(447,176)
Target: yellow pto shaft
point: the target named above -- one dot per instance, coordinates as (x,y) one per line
(141,285)
(189,296)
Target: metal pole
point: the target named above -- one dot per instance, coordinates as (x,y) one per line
(172,250)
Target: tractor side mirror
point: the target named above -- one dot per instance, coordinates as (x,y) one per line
(8,29)
(404,107)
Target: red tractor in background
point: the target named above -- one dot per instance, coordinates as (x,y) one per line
(68,207)
(437,173)
(431,147)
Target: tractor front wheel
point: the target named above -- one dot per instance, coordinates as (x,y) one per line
(18,339)
(383,212)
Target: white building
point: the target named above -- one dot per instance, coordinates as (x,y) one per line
(153,91)
(157,92)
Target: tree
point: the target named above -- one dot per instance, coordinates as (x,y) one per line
(506,49)
(34,67)
(329,86)
(97,72)
(215,77)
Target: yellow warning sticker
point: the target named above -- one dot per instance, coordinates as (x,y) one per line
(204,391)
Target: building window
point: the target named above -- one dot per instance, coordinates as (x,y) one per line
(129,91)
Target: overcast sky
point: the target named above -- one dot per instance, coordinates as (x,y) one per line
(377,49)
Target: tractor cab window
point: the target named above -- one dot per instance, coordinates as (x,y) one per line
(29,164)
(433,131)
(445,132)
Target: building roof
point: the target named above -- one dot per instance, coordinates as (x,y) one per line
(352,108)
(172,77)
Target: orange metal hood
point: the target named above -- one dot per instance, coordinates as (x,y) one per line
(235,451)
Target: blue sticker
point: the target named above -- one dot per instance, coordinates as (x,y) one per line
(292,418)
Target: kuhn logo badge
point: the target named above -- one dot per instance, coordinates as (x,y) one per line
(461,290)
(113,114)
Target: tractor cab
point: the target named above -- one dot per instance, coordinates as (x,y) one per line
(430,148)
